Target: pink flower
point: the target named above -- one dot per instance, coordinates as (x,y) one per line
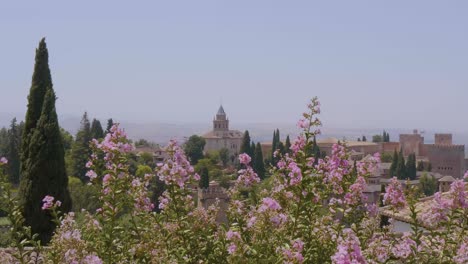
(394,194)
(48,202)
(252,220)
(458,194)
(232,235)
(404,248)
(355,194)
(462,254)
(244,159)
(302,123)
(247,177)
(177,169)
(91,174)
(106,179)
(89,164)
(278,219)
(348,250)
(163,203)
(269,204)
(92,259)
(3,160)
(298,144)
(232,248)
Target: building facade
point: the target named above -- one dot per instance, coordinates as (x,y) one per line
(222,137)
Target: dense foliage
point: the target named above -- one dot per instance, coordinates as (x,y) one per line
(42,156)
(314,212)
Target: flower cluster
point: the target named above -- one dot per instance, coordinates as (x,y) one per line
(349,249)
(311,209)
(177,169)
(48,203)
(394,194)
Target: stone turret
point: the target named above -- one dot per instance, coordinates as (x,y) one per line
(221,122)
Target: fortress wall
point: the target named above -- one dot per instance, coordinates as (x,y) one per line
(411,143)
(447,159)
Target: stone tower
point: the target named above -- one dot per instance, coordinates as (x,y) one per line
(221,122)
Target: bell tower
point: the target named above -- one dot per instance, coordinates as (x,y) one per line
(221,122)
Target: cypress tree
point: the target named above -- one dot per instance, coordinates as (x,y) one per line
(42,158)
(13,152)
(80,150)
(273,147)
(420,166)
(281,148)
(245,145)
(96,129)
(364,139)
(429,167)
(394,165)
(278,138)
(411,167)
(259,164)
(204,178)
(252,150)
(110,123)
(287,145)
(401,167)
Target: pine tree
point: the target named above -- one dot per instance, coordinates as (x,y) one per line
(394,165)
(245,145)
(42,158)
(287,145)
(96,129)
(204,178)
(110,123)
(259,164)
(13,152)
(81,150)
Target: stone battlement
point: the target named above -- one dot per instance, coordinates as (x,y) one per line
(447,147)
(212,193)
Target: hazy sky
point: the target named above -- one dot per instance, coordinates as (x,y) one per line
(373,64)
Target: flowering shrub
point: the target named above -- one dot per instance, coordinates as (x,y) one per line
(316,212)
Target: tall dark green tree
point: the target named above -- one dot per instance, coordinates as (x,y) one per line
(258,162)
(110,123)
(274,144)
(411,167)
(194,148)
(81,150)
(287,145)
(394,165)
(204,178)
(3,141)
(252,153)
(96,129)
(13,152)
(401,167)
(245,145)
(42,158)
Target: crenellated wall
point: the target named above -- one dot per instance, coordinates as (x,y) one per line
(212,195)
(447,159)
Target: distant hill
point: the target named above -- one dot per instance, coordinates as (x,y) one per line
(162,132)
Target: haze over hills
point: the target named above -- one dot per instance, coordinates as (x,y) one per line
(162,132)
